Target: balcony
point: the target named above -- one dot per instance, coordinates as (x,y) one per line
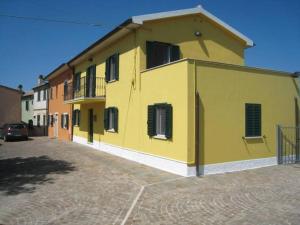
(85,91)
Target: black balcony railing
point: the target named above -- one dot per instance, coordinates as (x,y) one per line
(85,88)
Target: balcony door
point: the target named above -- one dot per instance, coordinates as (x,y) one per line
(91,81)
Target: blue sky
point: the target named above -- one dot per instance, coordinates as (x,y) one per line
(29,48)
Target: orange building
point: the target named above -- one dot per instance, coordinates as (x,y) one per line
(59,113)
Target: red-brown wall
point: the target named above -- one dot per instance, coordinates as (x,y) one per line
(57,105)
(10,105)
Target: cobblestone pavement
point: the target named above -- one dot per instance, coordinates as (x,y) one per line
(46,181)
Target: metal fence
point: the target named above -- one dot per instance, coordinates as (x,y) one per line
(288,151)
(85,88)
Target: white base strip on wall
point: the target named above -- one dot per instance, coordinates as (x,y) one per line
(173,166)
(237,165)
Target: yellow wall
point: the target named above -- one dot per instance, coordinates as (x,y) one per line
(224,90)
(214,45)
(132,106)
(135,90)
(132,94)
(118,93)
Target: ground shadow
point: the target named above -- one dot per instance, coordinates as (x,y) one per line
(19,140)
(22,175)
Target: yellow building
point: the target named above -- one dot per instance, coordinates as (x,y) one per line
(170,90)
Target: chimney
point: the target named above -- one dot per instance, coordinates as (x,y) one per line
(20,88)
(40,79)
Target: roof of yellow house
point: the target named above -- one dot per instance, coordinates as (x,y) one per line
(197,10)
(137,21)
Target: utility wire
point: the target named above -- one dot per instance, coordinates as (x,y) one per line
(50,20)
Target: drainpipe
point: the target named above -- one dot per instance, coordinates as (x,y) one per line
(197,114)
(72,105)
(47,110)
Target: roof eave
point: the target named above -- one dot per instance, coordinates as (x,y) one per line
(126,26)
(58,70)
(198,10)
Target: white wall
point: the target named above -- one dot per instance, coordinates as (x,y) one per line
(40,107)
(42,104)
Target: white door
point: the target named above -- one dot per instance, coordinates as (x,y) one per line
(55,125)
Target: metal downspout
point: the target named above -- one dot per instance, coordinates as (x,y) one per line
(72,105)
(197,113)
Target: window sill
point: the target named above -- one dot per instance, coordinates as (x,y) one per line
(111,81)
(111,131)
(254,137)
(160,136)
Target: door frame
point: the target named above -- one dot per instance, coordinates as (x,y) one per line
(90,125)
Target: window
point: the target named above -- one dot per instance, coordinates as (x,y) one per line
(39,96)
(44,120)
(77,82)
(160,120)
(44,94)
(111,119)
(253,120)
(65,121)
(51,94)
(76,117)
(38,120)
(159,53)
(112,68)
(27,105)
(65,88)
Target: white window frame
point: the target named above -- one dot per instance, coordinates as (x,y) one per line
(111,121)
(160,122)
(65,120)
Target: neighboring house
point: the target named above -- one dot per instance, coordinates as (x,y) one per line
(27,107)
(170,90)
(10,105)
(40,107)
(59,113)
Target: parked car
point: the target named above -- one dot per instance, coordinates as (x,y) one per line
(14,131)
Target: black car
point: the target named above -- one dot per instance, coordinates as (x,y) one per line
(12,131)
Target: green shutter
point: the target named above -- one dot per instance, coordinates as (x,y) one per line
(106,119)
(151,120)
(116,118)
(117,61)
(78,117)
(253,120)
(74,117)
(149,54)
(169,120)
(175,53)
(67,121)
(107,70)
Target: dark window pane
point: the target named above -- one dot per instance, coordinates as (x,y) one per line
(253,120)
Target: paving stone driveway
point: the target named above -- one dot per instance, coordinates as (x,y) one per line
(45,181)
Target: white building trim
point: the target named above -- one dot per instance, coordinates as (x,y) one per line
(175,166)
(237,165)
